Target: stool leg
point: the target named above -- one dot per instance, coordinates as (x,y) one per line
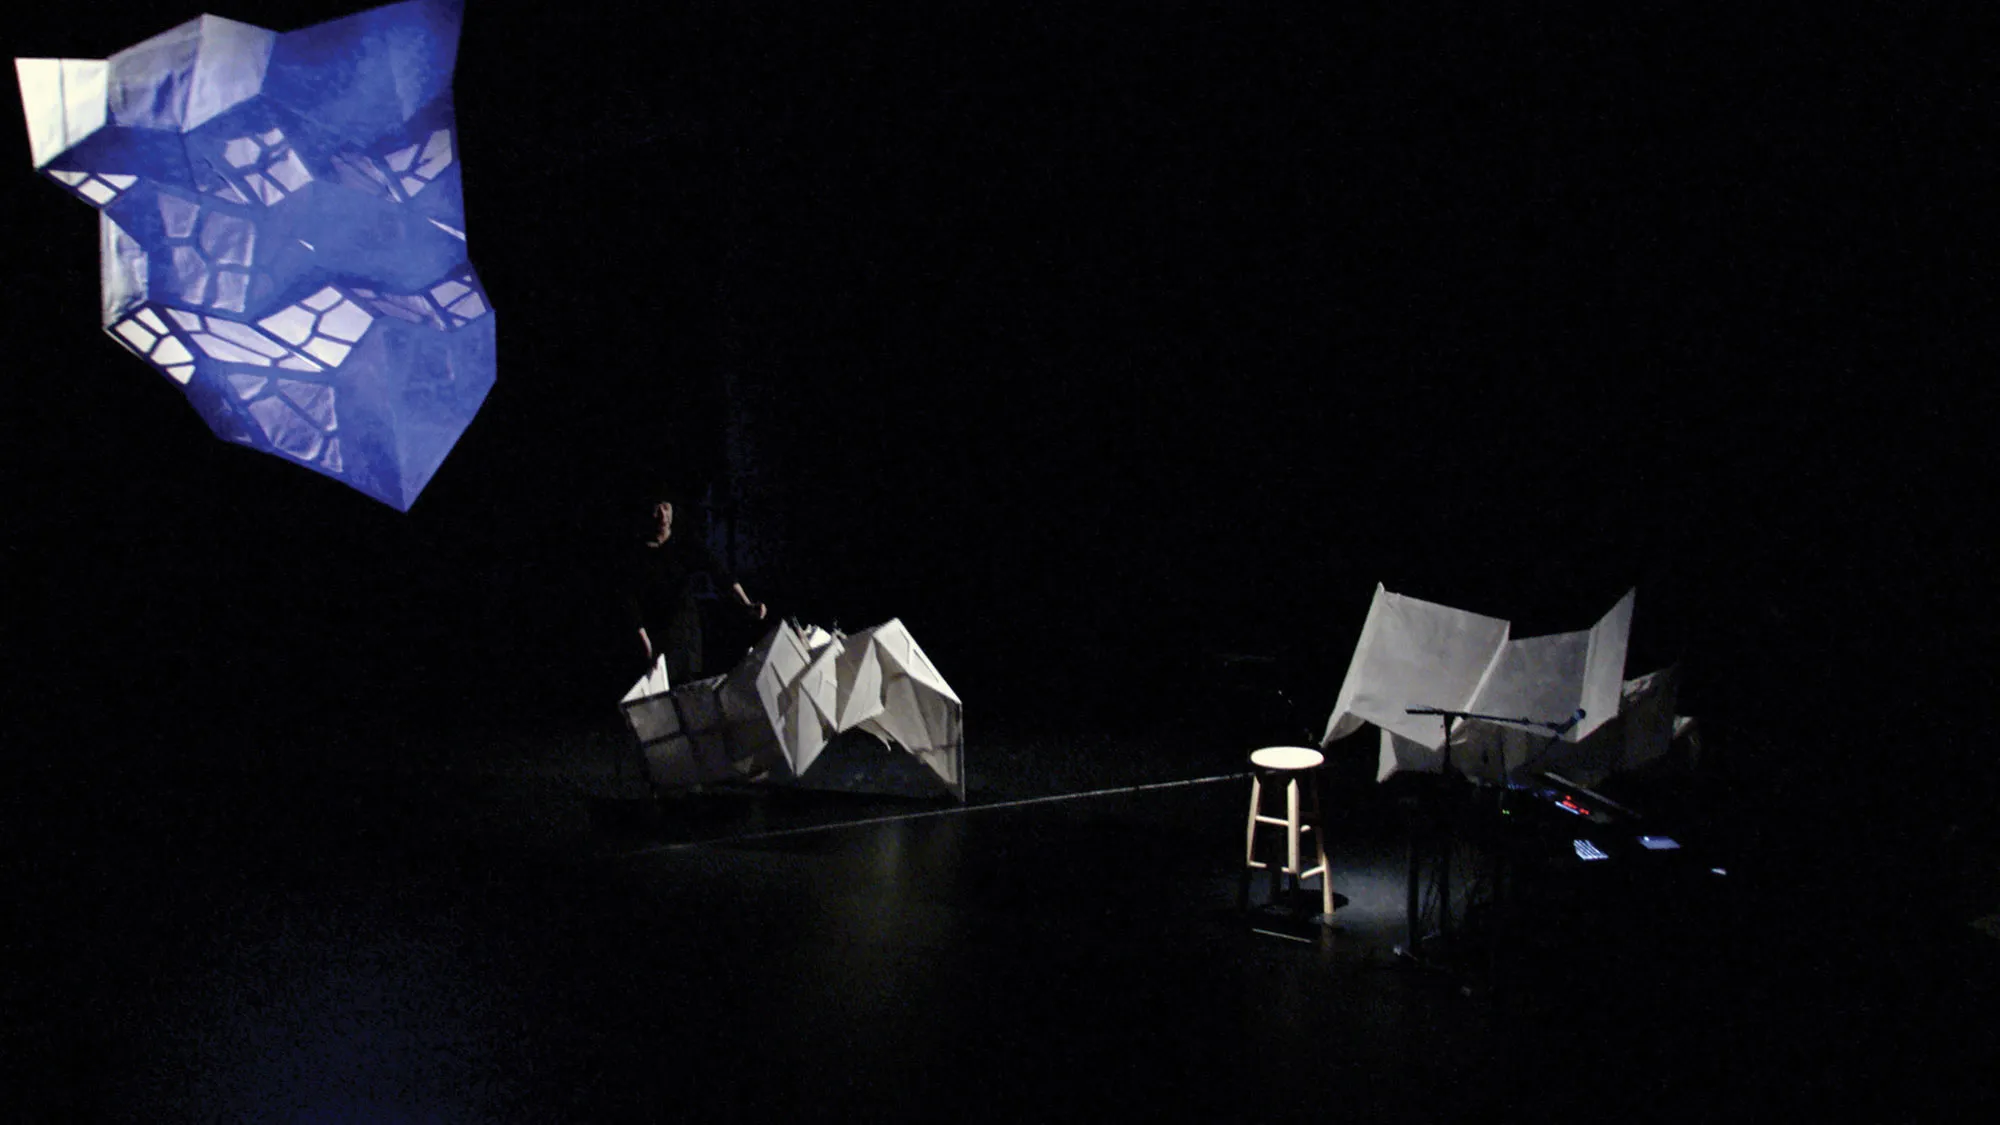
(1319,845)
(1250,843)
(1292,828)
(1277,867)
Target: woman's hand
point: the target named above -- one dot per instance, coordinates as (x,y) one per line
(756,610)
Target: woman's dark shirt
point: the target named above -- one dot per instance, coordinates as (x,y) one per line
(661,583)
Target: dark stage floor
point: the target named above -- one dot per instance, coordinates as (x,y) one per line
(504,928)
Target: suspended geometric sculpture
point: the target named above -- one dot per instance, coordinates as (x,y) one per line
(282,231)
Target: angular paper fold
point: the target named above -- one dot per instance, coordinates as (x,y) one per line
(811,704)
(753,696)
(1413,653)
(1546,679)
(889,688)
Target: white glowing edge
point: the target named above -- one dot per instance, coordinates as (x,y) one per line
(64,100)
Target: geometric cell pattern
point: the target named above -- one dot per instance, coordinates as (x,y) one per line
(282,231)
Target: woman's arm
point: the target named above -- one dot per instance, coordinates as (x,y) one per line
(757,609)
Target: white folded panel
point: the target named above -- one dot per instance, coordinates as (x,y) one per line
(923,721)
(1537,679)
(649,710)
(1397,754)
(908,657)
(783,659)
(811,703)
(1413,653)
(889,688)
(752,699)
(1545,680)
(859,681)
(1604,668)
(1642,732)
(680,730)
(1650,722)
(654,682)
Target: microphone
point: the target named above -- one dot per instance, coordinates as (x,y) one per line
(1573,720)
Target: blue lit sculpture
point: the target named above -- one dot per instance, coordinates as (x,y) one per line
(283,231)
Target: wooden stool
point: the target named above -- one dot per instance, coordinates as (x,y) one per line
(1289,765)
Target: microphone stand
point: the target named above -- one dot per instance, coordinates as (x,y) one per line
(1413,906)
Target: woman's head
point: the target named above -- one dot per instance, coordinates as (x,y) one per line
(660,503)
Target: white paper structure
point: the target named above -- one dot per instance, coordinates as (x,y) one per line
(1414,653)
(890,689)
(770,718)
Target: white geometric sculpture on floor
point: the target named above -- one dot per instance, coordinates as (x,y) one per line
(282,231)
(1414,653)
(890,689)
(772,716)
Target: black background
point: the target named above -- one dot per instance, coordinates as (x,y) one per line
(1073,332)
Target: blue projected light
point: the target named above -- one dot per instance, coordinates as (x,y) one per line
(1587,850)
(282,231)
(1659,843)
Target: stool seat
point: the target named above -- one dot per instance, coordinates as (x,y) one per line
(1287,758)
